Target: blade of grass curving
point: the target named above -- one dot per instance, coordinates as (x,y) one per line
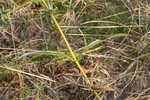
(51,53)
(89,46)
(70,49)
(117,35)
(93,44)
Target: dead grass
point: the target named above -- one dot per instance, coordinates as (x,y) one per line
(110,38)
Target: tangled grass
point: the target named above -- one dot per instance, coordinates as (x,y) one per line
(109,38)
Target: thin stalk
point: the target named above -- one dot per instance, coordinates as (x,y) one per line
(73,55)
(71,51)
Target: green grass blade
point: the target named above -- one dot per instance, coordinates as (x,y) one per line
(50,53)
(117,35)
(89,46)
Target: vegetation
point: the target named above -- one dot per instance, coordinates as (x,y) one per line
(74,50)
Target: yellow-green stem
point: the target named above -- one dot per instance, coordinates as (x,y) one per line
(73,55)
(71,51)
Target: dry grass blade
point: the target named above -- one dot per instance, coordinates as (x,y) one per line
(102,27)
(19,71)
(103,49)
